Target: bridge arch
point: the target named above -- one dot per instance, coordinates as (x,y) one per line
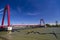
(42,21)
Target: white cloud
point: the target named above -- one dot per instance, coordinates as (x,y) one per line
(34,14)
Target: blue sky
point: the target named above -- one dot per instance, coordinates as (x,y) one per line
(31,11)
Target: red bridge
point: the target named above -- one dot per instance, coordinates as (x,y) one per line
(7,9)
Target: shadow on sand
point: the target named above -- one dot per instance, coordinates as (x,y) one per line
(3,38)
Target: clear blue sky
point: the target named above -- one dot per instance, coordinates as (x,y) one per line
(31,11)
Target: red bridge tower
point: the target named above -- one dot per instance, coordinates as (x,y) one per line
(6,9)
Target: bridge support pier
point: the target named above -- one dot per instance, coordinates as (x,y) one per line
(9,28)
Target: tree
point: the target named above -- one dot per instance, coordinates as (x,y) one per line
(48,25)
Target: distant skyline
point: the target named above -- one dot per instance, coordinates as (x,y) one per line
(31,11)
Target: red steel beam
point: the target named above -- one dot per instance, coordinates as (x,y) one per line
(3,18)
(7,8)
(8,11)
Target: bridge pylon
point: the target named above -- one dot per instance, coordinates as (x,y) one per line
(42,21)
(6,9)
